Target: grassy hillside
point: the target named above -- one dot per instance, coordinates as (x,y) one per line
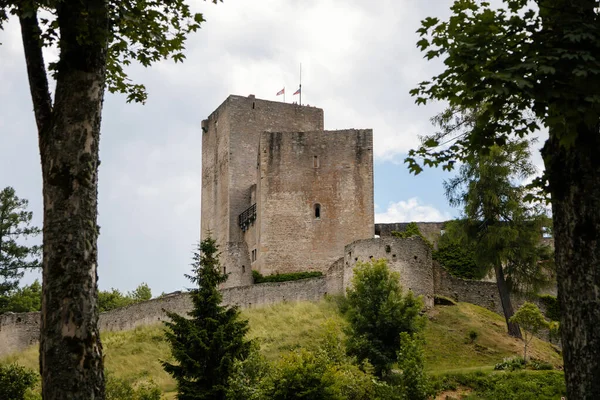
(135,355)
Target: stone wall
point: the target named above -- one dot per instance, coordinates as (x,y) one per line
(315,197)
(410,257)
(481,293)
(430,230)
(18,331)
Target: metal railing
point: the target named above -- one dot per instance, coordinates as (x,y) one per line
(247,218)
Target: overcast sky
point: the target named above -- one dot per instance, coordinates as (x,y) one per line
(359,60)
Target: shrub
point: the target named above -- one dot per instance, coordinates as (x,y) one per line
(15,381)
(413,382)
(540,365)
(377,313)
(522,385)
(293,276)
(552,307)
(121,389)
(472,336)
(411,230)
(510,364)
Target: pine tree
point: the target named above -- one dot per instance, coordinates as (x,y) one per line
(15,225)
(206,344)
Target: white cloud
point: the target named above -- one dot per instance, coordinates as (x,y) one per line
(411,210)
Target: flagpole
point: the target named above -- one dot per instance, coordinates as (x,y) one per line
(300,83)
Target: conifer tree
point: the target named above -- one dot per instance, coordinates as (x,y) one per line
(206,345)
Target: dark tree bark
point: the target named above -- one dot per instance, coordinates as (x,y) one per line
(574,179)
(70,350)
(507,308)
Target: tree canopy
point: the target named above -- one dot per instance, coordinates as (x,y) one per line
(531,65)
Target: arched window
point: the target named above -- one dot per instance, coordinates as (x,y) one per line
(317,211)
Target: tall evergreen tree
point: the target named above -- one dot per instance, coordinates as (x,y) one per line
(504,231)
(206,345)
(15,225)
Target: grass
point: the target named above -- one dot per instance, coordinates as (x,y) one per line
(135,355)
(448,349)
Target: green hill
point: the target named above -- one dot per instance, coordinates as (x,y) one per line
(135,355)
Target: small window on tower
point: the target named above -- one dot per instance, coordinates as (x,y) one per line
(317,211)
(225,270)
(316,161)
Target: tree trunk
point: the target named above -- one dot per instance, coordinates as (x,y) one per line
(574,178)
(507,308)
(71,360)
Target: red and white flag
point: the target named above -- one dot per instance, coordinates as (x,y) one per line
(282,91)
(297,92)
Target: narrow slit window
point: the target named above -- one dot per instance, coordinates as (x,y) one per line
(317,211)
(316,161)
(224,270)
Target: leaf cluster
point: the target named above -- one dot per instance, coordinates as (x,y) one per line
(112,299)
(141,31)
(15,381)
(508,70)
(24,299)
(378,312)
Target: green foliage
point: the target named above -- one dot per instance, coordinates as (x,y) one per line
(143,31)
(15,226)
(377,313)
(15,381)
(413,382)
(121,389)
(141,293)
(459,261)
(552,307)
(538,365)
(207,344)
(109,300)
(292,276)
(325,373)
(412,229)
(472,336)
(520,64)
(510,364)
(521,385)
(531,320)
(25,299)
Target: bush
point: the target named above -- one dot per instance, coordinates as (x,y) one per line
(293,276)
(121,389)
(411,230)
(552,307)
(510,364)
(377,313)
(413,382)
(540,365)
(15,381)
(472,336)
(523,385)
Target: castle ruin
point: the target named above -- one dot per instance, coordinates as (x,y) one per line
(279,193)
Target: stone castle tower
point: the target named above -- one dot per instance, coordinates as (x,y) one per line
(279,193)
